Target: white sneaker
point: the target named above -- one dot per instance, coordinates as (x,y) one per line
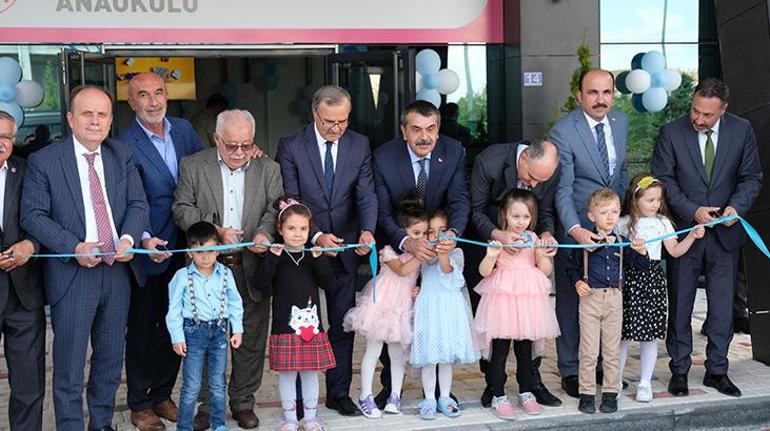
(644,393)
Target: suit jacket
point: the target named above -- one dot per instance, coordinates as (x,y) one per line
(199,196)
(52,206)
(27,280)
(348,209)
(447,184)
(736,178)
(581,169)
(159,183)
(495,173)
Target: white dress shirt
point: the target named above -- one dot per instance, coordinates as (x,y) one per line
(520,149)
(233,183)
(702,140)
(608,139)
(3,176)
(92,234)
(415,159)
(322,149)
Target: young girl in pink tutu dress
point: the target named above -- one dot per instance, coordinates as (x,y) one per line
(514,304)
(387,317)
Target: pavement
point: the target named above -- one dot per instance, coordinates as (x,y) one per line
(703,409)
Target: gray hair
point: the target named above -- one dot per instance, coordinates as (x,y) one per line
(331,95)
(234,115)
(536,149)
(6,116)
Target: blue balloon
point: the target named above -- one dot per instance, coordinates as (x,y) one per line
(653,62)
(427,61)
(10,71)
(15,110)
(636,102)
(636,62)
(430,81)
(432,96)
(659,79)
(7,93)
(654,99)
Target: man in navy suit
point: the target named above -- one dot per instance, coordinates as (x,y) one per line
(592,141)
(329,167)
(710,165)
(22,319)
(80,195)
(397,170)
(158,143)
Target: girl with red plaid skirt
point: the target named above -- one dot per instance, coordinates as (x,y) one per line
(298,342)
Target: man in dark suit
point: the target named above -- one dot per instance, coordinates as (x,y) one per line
(84,194)
(592,141)
(335,181)
(22,320)
(710,165)
(497,170)
(430,163)
(158,144)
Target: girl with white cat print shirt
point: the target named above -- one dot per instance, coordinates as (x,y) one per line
(298,342)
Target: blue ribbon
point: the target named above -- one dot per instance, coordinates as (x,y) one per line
(750,231)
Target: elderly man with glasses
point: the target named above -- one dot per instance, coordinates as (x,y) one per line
(228,187)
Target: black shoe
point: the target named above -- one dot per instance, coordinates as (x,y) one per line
(543,396)
(382,397)
(586,404)
(741,326)
(721,383)
(201,421)
(570,386)
(609,402)
(599,377)
(344,406)
(677,386)
(486,398)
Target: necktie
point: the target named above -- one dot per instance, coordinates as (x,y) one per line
(709,155)
(422,179)
(329,167)
(601,143)
(103,227)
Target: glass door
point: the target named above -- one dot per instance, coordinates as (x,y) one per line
(381,83)
(81,68)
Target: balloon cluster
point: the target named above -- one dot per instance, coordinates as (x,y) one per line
(430,82)
(16,93)
(649,81)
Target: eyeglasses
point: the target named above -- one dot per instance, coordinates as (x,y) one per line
(232,147)
(7,138)
(328,124)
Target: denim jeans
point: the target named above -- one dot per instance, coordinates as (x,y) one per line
(204,340)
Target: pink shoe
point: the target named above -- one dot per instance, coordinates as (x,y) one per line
(313,425)
(503,408)
(528,403)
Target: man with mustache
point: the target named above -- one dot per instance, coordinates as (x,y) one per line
(229,187)
(158,143)
(430,163)
(710,164)
(592,141)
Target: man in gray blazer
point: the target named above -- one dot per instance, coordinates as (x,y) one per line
(225,186)
(592,141)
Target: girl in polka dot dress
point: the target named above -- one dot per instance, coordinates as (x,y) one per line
(644,290)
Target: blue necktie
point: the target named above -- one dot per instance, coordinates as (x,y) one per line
(601,143)
(422,179)
(329,167)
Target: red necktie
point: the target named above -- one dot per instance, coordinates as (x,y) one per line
(103,228)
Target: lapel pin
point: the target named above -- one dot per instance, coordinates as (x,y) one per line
(13,169)
(440,160)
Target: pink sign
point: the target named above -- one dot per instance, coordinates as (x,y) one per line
(251,21)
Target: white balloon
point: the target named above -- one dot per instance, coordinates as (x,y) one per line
(427,61)
(10,71)
(432,96)
(448,81)
(673,79)
(638,81)
(654,99)
(417,81)
(29,93)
